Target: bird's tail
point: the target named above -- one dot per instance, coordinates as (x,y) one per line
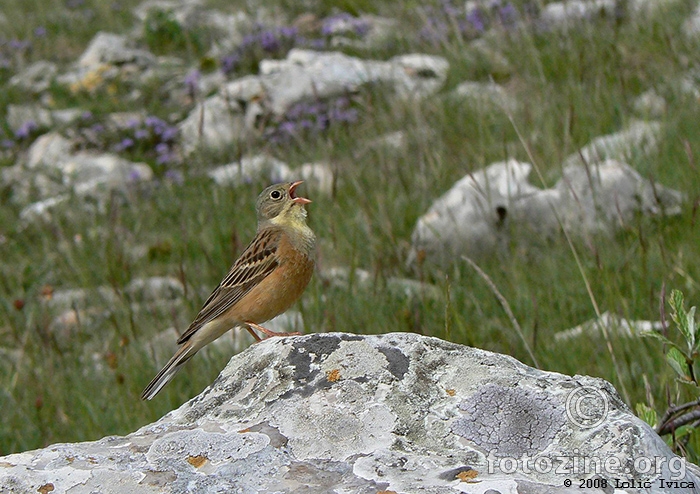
(184,353)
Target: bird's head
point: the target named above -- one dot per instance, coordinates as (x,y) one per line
(279,205)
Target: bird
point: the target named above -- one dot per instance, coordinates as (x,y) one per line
(268,277)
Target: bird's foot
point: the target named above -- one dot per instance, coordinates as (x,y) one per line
(250,325)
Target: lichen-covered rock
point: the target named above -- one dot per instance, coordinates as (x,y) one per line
(362,414)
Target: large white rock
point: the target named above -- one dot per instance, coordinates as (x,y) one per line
(215,123)
(469,219)
(113,49)
(497,206)
(308,74)
(249,169)
(37,77)
(569,13)
(640,138)
(362,414)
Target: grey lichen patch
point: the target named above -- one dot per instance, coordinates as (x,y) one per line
(277,440)
(320,477)
(176,448)
(398,361)
(510,421)
(355,359)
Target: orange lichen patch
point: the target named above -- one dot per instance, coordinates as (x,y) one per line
(197,461)
(247,429)
(451,392)
(45,488)
(333,375)
(467,475)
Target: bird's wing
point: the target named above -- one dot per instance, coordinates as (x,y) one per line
(258,260)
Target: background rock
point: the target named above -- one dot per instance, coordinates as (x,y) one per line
(338,412)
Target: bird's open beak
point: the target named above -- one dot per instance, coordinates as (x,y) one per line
(298,200)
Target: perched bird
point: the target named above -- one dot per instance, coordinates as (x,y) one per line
(268,277)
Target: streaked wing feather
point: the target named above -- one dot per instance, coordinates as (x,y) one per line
(257,261)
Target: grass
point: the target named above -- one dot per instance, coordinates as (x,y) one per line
(571,87)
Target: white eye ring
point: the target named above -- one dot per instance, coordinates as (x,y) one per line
(276,195)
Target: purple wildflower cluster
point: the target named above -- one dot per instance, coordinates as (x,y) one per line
(13,49)
(266,42)
(147,136)
(311,118)
(344,23)
(261,42)
(466,22)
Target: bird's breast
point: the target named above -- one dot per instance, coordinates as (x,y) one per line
(281,288)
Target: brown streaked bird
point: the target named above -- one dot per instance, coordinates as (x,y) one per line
(268,277)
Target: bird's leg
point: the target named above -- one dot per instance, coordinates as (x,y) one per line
(267,331)
(253,333)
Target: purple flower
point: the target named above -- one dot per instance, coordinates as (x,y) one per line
(175,176)
(508,14)
(141,134)
(361,28)
(86,115)
(134,175)
(162,148)
(169,133)
(230,62)
(269,41)
(248,39)
(475,18)
(98,128)
(191,80)
(289,32)
(317,43)
(449,9)
(287,128)
(18,44)
(126,143)
(25,129)
(40,31)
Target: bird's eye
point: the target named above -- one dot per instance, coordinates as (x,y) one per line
(276,195)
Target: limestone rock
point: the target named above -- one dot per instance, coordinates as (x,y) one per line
(113,49)
(317,177)
(650,104)
(492,207)
(47,149)
(35,78)
(215,124)
(569,13)
(308,74)
(21,115)
(347,279)
(609,195)
(469,218)
(486,96)
(251,169)
(612,323)
(640,138)
(347,413)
